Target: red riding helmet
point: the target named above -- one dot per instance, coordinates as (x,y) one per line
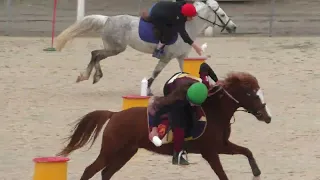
(188,10)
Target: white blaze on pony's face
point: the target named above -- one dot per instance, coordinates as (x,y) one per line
(215,15)
(256,105)
(260,95)
(253,101)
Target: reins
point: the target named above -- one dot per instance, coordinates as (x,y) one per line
(231,97)
(234,119)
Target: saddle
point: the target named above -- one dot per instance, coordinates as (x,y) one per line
(148,32)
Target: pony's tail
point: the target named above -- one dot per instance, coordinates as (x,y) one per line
(88,23)
(87,129)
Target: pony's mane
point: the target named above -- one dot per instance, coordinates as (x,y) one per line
(199,4)
(245,79)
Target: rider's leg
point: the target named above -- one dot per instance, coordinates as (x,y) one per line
(158,31)
(159,50)
(178,137)
(178,123)
(160,45)
(165,37)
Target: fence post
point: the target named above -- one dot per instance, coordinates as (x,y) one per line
(80,9)
(272,4)
(8,4)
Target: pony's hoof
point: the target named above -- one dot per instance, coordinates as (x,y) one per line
(256,178)
(95,80)
(256,172)
(254,167)
(149,92)
(79,79)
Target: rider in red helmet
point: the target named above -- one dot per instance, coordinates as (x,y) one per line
(169,18)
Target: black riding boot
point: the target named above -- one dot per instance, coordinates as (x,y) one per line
(175,159)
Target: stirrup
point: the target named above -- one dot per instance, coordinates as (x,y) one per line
(158,53)
(180,155)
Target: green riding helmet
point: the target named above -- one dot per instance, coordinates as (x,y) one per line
(197,93)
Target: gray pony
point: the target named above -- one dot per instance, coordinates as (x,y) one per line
(117,32)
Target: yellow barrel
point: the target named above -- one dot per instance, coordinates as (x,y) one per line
(191,65)
(50,168)
(134,101)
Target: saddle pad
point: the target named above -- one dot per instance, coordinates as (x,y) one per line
(146,33)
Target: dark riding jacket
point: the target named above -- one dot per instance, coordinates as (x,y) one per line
(166,13)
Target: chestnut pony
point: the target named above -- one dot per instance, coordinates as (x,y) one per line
(127,130)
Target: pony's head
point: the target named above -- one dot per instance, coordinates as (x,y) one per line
(244,89)
(212,13)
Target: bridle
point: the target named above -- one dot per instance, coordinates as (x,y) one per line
(255,112)
(223,26)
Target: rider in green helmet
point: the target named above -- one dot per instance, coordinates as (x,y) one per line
(180,104)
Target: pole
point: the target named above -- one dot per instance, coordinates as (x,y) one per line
(272,7)
(8,4)
(53,26)
(80,9)
(139,8)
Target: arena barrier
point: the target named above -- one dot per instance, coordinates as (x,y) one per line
(50,168)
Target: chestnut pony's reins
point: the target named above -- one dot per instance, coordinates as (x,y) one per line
(220,85)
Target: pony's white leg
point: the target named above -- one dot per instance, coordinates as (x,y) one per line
(181,61)
(115,41)
(87,72)
(96,57)
(100,55)
(162,63)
